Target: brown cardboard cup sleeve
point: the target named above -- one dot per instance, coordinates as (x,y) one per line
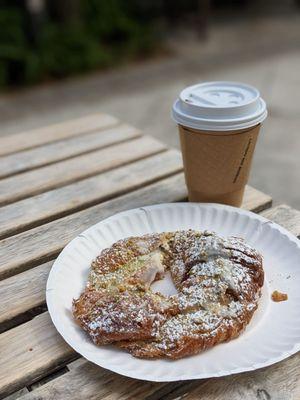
(217,164)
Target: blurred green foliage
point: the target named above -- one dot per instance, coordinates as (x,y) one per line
(100,34)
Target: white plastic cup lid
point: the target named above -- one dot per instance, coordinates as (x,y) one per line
(219,106)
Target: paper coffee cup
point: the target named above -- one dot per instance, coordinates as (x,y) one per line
(218,125)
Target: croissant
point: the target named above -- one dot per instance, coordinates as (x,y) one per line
(218,282)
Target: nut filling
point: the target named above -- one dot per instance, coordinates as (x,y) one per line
(218,281)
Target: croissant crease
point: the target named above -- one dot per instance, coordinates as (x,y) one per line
(218,281)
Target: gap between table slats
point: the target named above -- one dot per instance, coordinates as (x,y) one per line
(64,172)
(48,353)
(41,244)
(274,382)
(22,295)
(99,383)
(18,293)
(62,150)
(281,381)
(39,136)
(34,211)
(48,344)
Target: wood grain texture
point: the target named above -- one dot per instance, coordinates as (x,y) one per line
(61,173)
(37,137)
(23,294)
(87,381)
(50,377)
(50,352)
(30,351)
(47,206)
(34,350)
(286,216)
(255,200)
(47,391)
(278,382)
(40,244)
(17,395)
(62,150)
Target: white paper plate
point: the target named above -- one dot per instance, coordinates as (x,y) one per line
(272,335)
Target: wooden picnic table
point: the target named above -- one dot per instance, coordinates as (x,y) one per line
(54,183)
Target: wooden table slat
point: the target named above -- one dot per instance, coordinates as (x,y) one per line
(44,242)
(47,206)
(255,200)
(88,381)
(40,244)
(55,182)
(286,216)
(50,350)
(62,150)
(63,172)
(23,293)
(29,351)
(280,381)
(27,288)
(206,389)
(17,395)
(39,136)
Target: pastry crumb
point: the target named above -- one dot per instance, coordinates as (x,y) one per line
(278,296)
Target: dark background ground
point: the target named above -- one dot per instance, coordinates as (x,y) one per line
(260,47)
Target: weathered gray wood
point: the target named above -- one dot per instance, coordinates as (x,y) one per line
(17,395)
(76,363)
(34,349)
(49,377)
(36,137)
(256,200)
(280,381)
(31,368)
(44,207)
(61,173)
(50,352)
(62,150)
(42,243)
(21,295)
(46,351)
(29,352)
(277,382)
(286,216)
(88,381)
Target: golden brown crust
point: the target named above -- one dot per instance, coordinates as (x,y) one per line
(124,250)
(110,317)
(278,296)
(218,282)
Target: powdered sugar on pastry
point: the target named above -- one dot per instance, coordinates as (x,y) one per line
(218,282)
